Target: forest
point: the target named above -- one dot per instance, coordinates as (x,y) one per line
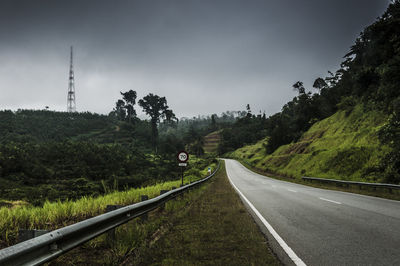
(47,155)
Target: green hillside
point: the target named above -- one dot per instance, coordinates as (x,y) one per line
(211,142)
(342,146)
(44,126)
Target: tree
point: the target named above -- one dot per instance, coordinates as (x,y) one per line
(248,115)
(169,116)
(319,84)
(120,109)
(213,122)
(298,86)
(130,100)
(156,107)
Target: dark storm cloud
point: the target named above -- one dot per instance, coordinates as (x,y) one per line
(204,56)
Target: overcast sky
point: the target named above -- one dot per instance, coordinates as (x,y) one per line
(204,56)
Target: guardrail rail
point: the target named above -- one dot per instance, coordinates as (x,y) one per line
(47,247)
(348,183)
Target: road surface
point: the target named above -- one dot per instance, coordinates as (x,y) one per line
(324,227)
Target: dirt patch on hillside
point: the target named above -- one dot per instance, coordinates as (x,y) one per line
(315,135)
(297,148)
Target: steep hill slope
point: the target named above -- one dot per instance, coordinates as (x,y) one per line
(342,146)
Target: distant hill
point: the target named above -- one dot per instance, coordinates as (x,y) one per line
(44,126)
(342,146)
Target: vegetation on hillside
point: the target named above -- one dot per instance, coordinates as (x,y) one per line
(46,155)
(342,146)
(369,76)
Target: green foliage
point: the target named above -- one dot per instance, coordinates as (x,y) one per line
(348,161)
(390,135)
(347,104)
(245,130)
(156,107)
(342,146)
(69,170)
(54,214)
(124,109)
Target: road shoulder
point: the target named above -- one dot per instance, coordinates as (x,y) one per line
(216,229)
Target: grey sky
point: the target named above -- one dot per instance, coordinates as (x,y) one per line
(204,56)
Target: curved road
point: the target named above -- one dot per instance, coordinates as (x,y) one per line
(324,227)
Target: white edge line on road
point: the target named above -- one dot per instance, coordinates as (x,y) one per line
(281,242)
(336,202)
(291,190)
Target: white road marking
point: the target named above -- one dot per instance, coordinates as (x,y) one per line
(297,261)
(291,190)
(336,202)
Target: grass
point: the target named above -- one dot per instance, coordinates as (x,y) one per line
(215,230)
(206,226)
(58,214)
(343,146)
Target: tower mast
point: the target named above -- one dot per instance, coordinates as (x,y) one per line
(71,106)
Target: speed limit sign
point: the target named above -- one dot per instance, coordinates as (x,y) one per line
(183,157)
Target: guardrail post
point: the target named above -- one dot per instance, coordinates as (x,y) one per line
(26,234)
(145,216)
(111,233)
(163,205)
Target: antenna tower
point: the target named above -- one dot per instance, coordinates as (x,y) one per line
(71,107)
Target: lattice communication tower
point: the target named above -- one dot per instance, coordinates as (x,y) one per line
(71,105)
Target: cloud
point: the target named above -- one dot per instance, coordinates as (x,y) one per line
(204,56)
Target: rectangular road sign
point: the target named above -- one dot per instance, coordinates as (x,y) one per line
(182,164)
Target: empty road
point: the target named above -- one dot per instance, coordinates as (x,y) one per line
(324,227)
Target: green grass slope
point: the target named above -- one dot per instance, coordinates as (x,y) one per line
(344,146)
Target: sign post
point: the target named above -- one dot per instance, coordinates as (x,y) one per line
(182,157)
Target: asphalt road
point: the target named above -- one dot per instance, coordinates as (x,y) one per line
(324,227)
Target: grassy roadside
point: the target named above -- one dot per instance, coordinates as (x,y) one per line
(381,193)
(215,230)
(52,215)
(206,226)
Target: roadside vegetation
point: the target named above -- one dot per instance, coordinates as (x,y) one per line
(215,230)
(207,225)
(53,215)
(343,146)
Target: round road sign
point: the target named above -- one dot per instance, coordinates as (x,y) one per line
(183,156)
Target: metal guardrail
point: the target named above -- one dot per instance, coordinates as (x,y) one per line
(347,183)
(47,247)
